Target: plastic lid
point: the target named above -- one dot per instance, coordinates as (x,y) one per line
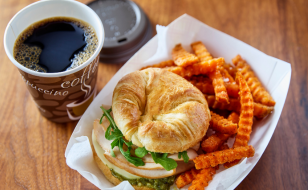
(126,26)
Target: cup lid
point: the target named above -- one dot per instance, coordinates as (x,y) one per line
(126,26)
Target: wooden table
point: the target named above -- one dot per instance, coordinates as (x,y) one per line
(32,148)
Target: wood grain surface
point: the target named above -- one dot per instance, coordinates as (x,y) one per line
(32,148)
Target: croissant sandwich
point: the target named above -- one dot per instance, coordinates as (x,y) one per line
(152,131)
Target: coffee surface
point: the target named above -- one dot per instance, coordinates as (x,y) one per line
(55,44)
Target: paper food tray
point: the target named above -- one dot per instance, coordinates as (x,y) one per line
(273,73)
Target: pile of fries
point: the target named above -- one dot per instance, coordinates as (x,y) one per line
(234,88)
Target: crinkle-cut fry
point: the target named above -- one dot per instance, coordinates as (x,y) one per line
(232,89)
(245,119)
(230,68)
(223,147)
(258,91)
(234,117)
(199,68)
(201,51)
(200,78)
(246,115)
(260,111)
(205,86)
(183,58)
(220,124)
(213,142)
(219,86)
(186,177)
(202,179)
(226,75)
(234,104)
(163,64)
(230,164)
(221,157)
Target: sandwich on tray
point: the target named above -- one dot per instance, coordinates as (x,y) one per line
(158,121)
(160,115)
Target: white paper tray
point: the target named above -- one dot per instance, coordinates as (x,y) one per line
(273,73)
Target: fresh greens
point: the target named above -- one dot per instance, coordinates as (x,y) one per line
(113,133)
(184,155)
(159,158)
(141,152)
(162,159)
(114,144)
(136,161)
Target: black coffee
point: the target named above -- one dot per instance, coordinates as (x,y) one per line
(55,44)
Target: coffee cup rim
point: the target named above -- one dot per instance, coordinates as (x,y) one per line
(63,73)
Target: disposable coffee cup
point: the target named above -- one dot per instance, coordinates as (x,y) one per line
(62,96)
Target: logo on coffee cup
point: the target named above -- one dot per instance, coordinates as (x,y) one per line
(60,99)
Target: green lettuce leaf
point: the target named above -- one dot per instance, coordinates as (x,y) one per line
(162,159)
(141,152)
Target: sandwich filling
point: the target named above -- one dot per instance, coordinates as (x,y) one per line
(100,153)
(117,143)
(137,165)
(123,175)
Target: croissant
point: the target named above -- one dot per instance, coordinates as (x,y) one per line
(160,111)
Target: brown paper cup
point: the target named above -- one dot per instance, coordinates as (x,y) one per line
(64,96)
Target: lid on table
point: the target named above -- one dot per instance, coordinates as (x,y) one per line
(126,26)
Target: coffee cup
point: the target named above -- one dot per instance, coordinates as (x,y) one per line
(60,96)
